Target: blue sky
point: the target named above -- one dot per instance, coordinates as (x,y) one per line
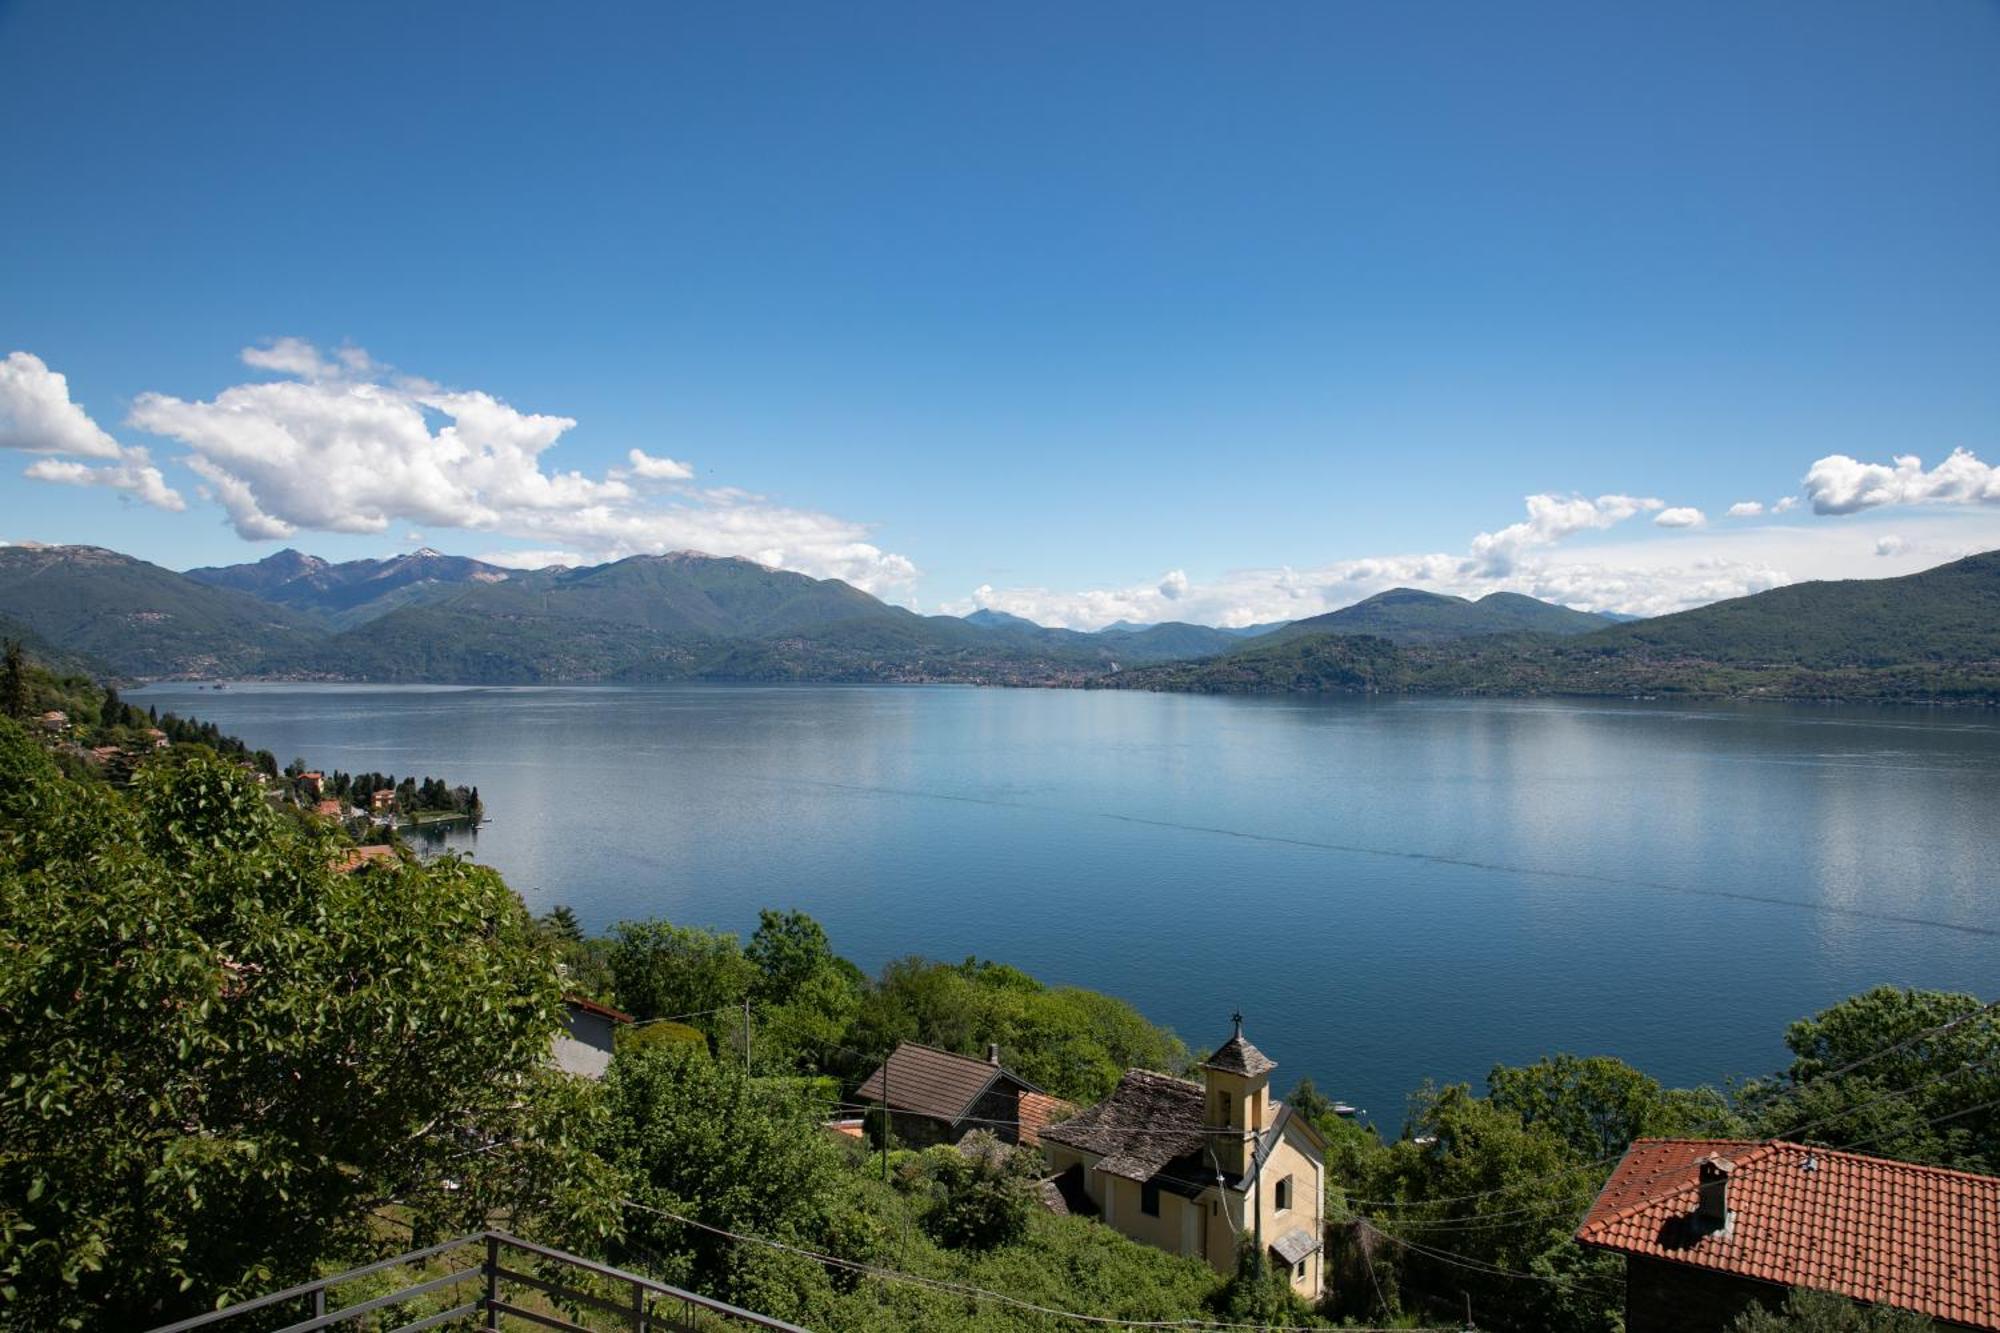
(1215,312)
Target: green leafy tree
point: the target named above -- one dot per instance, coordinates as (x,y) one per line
(660,970)
(224,1057)
(1824,1312)
(1597,1105)
(786,949)
(694,1136)
(981,1192)
(1478,1159)
(1909,1074)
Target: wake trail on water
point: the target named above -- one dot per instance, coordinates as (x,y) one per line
(1393,853)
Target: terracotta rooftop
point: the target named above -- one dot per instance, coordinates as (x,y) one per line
(356,857)
(1890,1233)
(591,1006)
(1037,1109)
(926,1081)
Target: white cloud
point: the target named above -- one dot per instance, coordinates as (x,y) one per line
(1838,484)
(134,474)
(1680,517)
(1746,509)
(532,559)
(1890,544)
(1513,559)
(338,447)
(37,416)
(646,467)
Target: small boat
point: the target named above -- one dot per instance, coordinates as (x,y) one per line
(1344,1111)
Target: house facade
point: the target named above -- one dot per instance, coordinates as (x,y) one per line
(589,1036)
(1200,1168)
(937,1096)
(1710,1227)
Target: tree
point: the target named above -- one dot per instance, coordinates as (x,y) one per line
(1909,1074)
(1598,1105)
(224,1056)
(561,924)
(694,1136)
(982,1192)
(786,949)
(14,681)
(1824,1312)
(660,970)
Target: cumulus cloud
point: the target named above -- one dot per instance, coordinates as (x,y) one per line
(1513,559)
(37,416)
(1838,484)
(133,474)
(1679,517)
(1746,509)
(335,445)
(646,467)
(1550,519)
(1785,505)
(1890,544)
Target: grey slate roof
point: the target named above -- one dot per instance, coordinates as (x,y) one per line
(926,1081)
(1294,1245)
(1151,1125)
(1238,1056)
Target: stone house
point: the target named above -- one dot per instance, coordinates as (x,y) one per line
(1709,1227)
(1199,1168)
(936,1096)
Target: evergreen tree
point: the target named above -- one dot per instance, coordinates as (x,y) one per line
(14,682)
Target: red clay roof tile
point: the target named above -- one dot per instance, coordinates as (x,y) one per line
(1891,1233)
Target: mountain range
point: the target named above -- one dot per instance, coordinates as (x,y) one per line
(1933,636)
(425,616)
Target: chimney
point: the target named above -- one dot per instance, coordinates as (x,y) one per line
(992,1052)
(1711,1210)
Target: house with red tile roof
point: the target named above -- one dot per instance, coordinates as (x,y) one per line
(1710,1226)
(936,1096)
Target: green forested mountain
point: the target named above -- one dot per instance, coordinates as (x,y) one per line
(354,591)
(1933,636)
(140,619)
(1928,636)
(1409,615)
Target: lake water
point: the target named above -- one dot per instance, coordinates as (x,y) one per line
(1390,890)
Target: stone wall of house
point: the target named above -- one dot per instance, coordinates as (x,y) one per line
(1663,1297)
(1000,1111)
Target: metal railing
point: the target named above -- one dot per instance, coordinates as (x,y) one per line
(648,1307)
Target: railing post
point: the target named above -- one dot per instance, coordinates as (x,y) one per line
(319,1302)
(638,1308)
(492,1282)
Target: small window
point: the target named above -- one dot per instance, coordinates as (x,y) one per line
(1149,1199)
(1222,1107)
(1300,1271)
(1284,1193)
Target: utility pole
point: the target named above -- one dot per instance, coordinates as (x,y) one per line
(746,1036)
(885,1119)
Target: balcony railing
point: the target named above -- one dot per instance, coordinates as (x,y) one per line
(576,1295)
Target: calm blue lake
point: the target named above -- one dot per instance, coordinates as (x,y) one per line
(1390,890)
